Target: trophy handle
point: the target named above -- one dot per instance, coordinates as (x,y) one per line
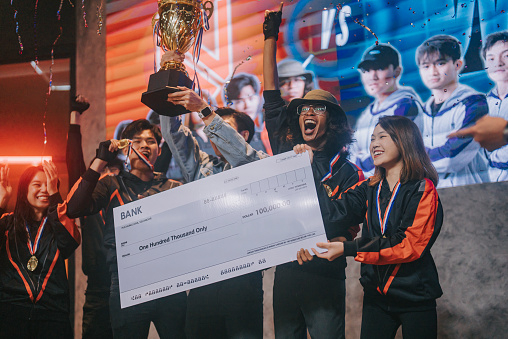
(208,8)
(154,20)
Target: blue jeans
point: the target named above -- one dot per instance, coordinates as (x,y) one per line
(303,300)
(167,314)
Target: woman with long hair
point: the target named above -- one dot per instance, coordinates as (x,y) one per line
(402,216)
(35,240)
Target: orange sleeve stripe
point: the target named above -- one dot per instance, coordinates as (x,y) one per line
(417,237)
(68,223)
(352,187)
(48,275)
(73,189)
(27,287)
(116,194)
(389,282)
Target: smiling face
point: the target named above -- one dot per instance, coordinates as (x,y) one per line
(146,144)
(380,81)
(496,61)
(383,149)
(38,196)
(313,127)
(439,72)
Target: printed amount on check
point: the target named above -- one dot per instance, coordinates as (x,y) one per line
(242,220)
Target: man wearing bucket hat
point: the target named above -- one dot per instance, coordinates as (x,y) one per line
(380,72)
(310,297)
(294,80)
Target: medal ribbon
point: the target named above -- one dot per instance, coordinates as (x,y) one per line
(332,162)
(140,156)
(382,223)
(33,247)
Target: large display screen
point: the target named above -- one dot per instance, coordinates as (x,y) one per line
(444,63)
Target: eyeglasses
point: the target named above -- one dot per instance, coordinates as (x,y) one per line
(286,81)
(318,109)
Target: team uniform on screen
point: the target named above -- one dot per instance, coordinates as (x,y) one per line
(403,101)
(498,159)
(458,161)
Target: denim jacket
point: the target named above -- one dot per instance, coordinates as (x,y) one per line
(196,164)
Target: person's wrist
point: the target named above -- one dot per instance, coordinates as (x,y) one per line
(505,133)
(205,112)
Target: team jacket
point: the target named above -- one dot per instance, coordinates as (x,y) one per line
(397,263)
(333,174)
(403,101)
(43,293)
(458,161)
(89,195)
(498,159)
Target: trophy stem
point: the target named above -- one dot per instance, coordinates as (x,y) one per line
(179,66)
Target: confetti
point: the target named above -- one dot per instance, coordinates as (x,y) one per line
(367,28)
(232,76)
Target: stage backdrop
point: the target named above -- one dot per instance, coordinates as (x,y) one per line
(329,40)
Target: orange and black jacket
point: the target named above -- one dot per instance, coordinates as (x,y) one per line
(89,195)
(43,293)
(398,263)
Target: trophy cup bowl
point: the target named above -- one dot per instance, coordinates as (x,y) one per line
(178,25)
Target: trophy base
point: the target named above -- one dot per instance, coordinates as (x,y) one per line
(159,86)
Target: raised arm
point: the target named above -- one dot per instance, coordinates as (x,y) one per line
(271,32)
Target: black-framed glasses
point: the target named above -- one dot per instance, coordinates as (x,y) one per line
(318,109)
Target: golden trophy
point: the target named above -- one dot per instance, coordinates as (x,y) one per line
(178,25)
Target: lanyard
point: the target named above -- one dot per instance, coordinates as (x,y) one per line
(140,156)
(332,162)
(33,247)
(382,222)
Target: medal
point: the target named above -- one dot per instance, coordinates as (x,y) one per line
(328,190)
(32,263)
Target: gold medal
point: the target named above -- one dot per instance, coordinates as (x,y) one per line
(328,190)
(123,143)
(32,263)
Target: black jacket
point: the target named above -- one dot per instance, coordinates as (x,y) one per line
(43,293)
(398,263)
(90,195)
(333,174)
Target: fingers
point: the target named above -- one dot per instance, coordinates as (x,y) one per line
(462,133)
(114,146)
(300,148)
(303,255)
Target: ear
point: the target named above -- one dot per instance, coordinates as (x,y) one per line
(245,135)
(397,72)
(159,151)
(458,64)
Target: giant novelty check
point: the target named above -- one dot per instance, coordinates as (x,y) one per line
(242,220)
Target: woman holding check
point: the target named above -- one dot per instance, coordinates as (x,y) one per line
(402,217)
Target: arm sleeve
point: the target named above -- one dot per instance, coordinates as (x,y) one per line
(499,158)
(64,228)
(415,235)
(457,153)
(231,144)
(183,146)
(89,195)
(350,206)
(275,118)
(74,154)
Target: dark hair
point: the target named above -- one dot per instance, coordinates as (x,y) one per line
(23,211)
(243,120)
(338,132)
(441,45)
(492,39)
(416,163)
(236,84)
(138,126)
